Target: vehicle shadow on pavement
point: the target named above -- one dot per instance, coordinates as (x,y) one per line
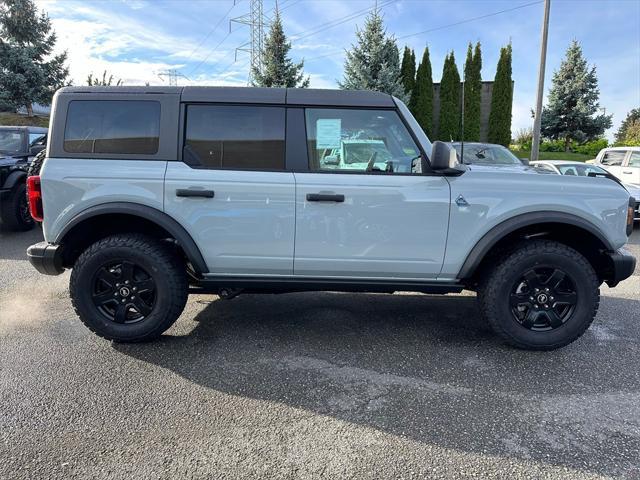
(423,367)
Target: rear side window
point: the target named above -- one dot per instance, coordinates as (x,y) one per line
(236,137)
(112,126)
(613,157)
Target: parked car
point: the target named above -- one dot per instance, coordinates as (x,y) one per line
(151,193)
(18,146)
(566,167)
(623,162)
(486,154)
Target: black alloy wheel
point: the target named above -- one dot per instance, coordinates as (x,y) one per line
(543,298)
(123,292)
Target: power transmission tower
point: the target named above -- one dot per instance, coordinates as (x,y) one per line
(172,75)
(255,19)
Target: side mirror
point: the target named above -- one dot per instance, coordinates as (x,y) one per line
(443,156)
(525,161)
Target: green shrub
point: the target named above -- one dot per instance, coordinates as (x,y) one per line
(552,146)
(592,148)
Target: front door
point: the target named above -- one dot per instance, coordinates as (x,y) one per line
(365,209)
(232,192)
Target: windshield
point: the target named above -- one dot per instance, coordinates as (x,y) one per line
(11,141)
(580,170)
(487,155)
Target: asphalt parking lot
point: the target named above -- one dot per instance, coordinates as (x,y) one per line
(311,385)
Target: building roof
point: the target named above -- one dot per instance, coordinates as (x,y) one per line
(289,96)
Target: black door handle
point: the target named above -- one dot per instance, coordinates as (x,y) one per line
(192,192)
(325,197)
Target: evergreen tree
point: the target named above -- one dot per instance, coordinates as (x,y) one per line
(104,82)
(421,103)
(408,70)
(472,93)
(449,128)
(502,101)
(277,69)
(573,102)
(374,62)
(29,72)
(632,117)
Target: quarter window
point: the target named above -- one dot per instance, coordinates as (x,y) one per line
(360,141)
(112,126)
(236,137)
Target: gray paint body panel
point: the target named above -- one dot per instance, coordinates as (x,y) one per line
(246,228)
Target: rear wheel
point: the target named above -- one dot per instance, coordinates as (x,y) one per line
(14,211)
(128,288)
(541,295)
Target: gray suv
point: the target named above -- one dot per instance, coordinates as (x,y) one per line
(151,193)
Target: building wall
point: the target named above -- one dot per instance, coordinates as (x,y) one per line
(485,109)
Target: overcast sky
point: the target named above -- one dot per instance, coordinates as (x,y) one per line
(137,39)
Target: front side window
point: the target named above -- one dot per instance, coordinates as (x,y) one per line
(236,136)
(37,139)
(613,158)
(112,126)
(352,140)
(634,160)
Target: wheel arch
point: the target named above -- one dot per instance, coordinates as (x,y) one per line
(566,228)
(14,178)
(120,217)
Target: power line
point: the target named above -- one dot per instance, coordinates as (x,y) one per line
(440,27)
(338,21)
(215,27)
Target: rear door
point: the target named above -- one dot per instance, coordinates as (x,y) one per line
(371,213)
(612,160)
(631,172)
(231,191)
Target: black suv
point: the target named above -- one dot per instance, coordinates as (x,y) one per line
(18,146)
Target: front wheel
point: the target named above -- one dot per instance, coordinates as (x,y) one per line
(542,295)
(128,288)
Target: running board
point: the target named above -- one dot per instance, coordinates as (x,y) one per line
(288,284)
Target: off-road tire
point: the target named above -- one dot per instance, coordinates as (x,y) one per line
(166,269)
(496,288)
(12,210)
(36,164)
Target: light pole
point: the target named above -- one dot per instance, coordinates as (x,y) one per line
(535,144)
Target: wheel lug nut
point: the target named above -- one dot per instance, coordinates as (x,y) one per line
(535,306)
(135,289)
(531,298)
(132,297)
(546,306)
(115,294)
(127,282)
(124,300)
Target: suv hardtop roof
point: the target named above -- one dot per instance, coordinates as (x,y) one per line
(25,128)
(288,96)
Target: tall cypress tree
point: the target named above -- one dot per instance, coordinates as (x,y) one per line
(449,128)
(374,62)
(472,93)
(408,70)
(278,70)
(502,101)
(421,103)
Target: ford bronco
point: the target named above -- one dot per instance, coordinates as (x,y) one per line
(151,193)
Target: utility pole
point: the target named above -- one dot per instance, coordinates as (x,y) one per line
(172,75)
(255,20)
(535,144)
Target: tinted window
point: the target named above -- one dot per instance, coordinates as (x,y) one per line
(487,154)
(580,170)
(37,139)
(634,160)
(11,141)
(236,137)
(360,140)
(112,126)
(613,157)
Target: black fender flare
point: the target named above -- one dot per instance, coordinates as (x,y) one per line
(156,216)
(499,231)
(14,178)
